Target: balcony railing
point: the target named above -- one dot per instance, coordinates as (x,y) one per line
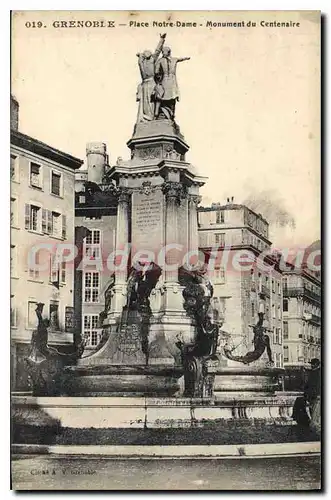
(301,292)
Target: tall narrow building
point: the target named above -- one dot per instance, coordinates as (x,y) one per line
(301,320)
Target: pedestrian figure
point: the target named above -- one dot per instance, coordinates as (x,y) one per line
(312,394)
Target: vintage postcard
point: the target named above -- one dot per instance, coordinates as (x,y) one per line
(165,250)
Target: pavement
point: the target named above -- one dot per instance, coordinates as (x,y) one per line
(178,451)
(50,472)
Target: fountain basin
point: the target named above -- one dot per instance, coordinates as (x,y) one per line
(122,380)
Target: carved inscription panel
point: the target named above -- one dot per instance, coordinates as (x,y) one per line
(148,220)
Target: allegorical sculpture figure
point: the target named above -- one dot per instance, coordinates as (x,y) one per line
(166,90)
(261,343)
(197,295)
(145,91)
(43,361)
(137,312)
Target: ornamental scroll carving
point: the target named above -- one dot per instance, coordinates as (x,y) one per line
(147,188)
(124,195)
(194,199)
(150,153)
(174,191)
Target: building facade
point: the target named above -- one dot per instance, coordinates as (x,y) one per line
(42,217)
(96,212)
(301,318)
(232,232)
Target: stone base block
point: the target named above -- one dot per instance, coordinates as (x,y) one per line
(136,412)
(246,381)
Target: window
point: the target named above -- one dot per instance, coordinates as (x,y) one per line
(220,239)
(273,311)
(13,211)
(279,288)
(54,270)
(13,260)
(32,217)
(56,224)
(91,286)
(93,244)
(220,217)
(253,310)
(285,349)
(54,316)
(277,360)
(57,271)
(69,319)
(34,267)
(63,272)
(56,183)
(35,175)
(94,237)
(285,305)
(64,227)
(260,282)
(285,283)
(13,312)
(279,312)
(274,335)
(285,330)
(92,332)
(279,336)
(273,285)
(220,275)
(13,167)
(32,318)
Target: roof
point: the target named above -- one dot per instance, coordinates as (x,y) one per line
(230,206)
(30,144)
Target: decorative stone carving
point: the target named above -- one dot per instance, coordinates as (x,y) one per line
(173,191)
(147,188)
(109,188)
(194,199)
(108,294)
(199,358)
(149,153)
(124,195)
(133,327)
(170,153)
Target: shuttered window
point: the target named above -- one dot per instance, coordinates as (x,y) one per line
(35,175)
(56,184)
(32,216)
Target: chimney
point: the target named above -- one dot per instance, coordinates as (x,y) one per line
(14,113)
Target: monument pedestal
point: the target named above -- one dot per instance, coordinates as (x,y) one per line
(140,355)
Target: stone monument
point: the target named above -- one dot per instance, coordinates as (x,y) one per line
(158,194)
(159,341)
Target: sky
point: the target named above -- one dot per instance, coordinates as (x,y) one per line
(249,107)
